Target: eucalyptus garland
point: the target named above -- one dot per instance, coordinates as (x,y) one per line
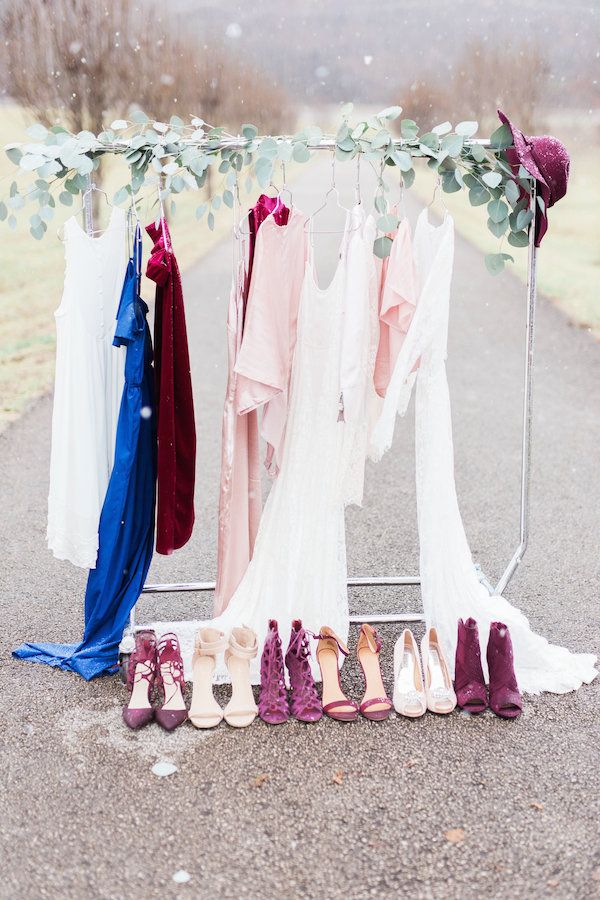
(176,156)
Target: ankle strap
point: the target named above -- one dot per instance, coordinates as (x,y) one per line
(326,634)
(243,643)
(210,642)
(369,636)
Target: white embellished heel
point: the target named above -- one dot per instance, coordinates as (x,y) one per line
(439,691)
(409,693)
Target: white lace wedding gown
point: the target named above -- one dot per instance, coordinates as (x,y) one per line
(449,584)
(298,569)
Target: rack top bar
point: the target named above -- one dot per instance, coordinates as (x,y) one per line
(241,143)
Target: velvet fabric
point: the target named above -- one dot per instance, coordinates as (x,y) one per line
(126,534)
(547,160)
(174,399)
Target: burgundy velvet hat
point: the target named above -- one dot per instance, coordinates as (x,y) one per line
(547,160)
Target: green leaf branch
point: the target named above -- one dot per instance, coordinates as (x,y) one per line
(177,156)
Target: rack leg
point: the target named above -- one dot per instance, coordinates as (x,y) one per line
(527,412)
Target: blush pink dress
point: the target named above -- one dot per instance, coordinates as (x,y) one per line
(264,363)
(397,302)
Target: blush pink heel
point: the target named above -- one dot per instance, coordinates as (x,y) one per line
(375,704)
(335,703)
(170,680)
(141,676)
(243,646)
(205,712)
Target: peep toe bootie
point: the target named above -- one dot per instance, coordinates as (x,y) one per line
(273,706)
(505,696)
(469,683)
(170,680)
(304,700)
(141,676)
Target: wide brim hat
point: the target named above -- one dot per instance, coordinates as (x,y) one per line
(546,159)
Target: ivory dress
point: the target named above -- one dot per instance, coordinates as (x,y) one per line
(298,569)
(88,388)
(449,583)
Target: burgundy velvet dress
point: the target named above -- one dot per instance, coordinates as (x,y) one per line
(174,400)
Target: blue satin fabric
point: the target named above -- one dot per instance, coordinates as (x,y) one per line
(126,532)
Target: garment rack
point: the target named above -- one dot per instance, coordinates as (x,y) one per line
(526,432)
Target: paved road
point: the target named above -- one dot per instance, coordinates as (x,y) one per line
(84,817)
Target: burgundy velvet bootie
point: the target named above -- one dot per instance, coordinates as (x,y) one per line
(304,700)
(505,696)
(141,676)
(469,683)
(273,706)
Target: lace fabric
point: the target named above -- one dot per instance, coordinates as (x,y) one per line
(449,584)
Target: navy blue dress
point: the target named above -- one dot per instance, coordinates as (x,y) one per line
(126,533)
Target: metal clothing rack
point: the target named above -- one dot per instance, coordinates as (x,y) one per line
(527,410)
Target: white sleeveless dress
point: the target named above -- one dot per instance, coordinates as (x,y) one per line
(449,584)
(298,569)
(88,388)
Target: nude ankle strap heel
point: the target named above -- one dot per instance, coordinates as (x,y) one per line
(243,646)
(205,712)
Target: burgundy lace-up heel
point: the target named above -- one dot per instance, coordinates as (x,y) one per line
(469,683)
(141,676)
(505,696)
(304,700)
(273,706)
(170,680)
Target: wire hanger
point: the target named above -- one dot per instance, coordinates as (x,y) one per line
(332,190)
(437,194)
(163,220)
(89,190)
(284,188)
(357,194)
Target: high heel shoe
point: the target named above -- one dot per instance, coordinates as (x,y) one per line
(335,703)
(409,692)
(505,696)
(273,706)
(304,700)
(141,676)
(243,646)
(170,679)
(469,683)
(375,704)
(205,712)
(439,691)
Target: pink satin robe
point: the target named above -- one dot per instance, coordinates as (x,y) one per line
(397,303)
(264,363)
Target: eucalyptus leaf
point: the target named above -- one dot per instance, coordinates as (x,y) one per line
(402,159)
(518,238)
(37,132)
(267,148)
(449,183)
(14,154)
(85,165)
(359,130)
(498,210)
(409,129)
(32,161)
(497,228)
(285,151)
(444,128)
(38,231)
(408,178)
(430,140)
(390,112)
(501,138)
(249,132)
(177,184)
(121,196)
(524,217)
(381,139)
(35,220)
(211,221)
(139,117)
(452,144)
(66,198)
(12,222)
(477,152)
(200,210)
(118,125)
(467,129)
(512,192)
(3,211)
(495,262)
(381,204)
(47,213)
(228,199)
(347,144)
(170,168)
(382,247)
(314,134)
(176,122)
(301,153)
(224,167)
(478,195)
(492,179)
(215,202)
(388,222)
